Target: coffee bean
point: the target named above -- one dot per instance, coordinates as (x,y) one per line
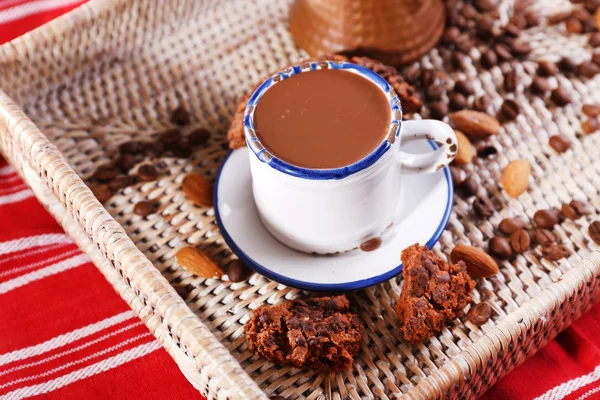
(555,252)
(567,64)
(509,110)
(594,231)
(539,85)
(503,52)
(102,192)
(486,5)
(508,226)
(592,5)
(170,136)
(412,74)
(434,92)
(520,241)
(450,35)
(544,237)
(591,110)
(181,149)
(480,314)
(482,103)
(276,398)
(468,11)
(534,18)
(591,125)
(458,102)
(105,173)
(561,96)
(119,182)
(131,148)
(586,20)
(147,173)
(573,25)
(469,186)
(465,43)
(144,208)
(512,30)
(510,81)
(438,110)
(547,68)
(457,174)
(427,77)
(457,59)
(559,143)
(180,116)
(594,39)
(518,20)
(588,69)
(500,247)
(153,149)
(125,162)
(238,271)
(464,87)
(198,137)
(489,59)
(484,29)
(596,58)
(558,17)
(520,49)
(485,150)
(545,219)
(580,207)
(569,212)
(484,207)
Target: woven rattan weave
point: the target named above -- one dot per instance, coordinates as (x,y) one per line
(110,72)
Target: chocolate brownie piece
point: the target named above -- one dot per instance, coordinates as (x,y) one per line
(311,333)
(434,293)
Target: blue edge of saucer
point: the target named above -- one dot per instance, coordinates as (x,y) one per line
(327,287)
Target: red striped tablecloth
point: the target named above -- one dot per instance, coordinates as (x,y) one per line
(65,333)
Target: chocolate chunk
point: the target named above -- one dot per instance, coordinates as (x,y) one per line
(561,96)
(480,314)
(580,207)
(591,110)
(105,173)
(144,208)
(238,271)
(147,173)
(500,247)
(458,102)
(539,86)
(555,252)
(509,110)
(547,68)
(508,226)
(546,218)
(180,116)
(484,207)
(464,87)
(594,231)
(520,241)
(559,143)
(544,237)
(469,186)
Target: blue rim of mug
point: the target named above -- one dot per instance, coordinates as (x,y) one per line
(326,287)
(322,174)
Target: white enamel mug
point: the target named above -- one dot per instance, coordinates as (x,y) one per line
(334,210)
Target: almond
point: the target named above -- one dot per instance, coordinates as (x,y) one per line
(464,155)
(479,264)
(198,263)
(475,124)
(515,177)
(198,189)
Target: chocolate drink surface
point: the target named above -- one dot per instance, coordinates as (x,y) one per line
(322,119)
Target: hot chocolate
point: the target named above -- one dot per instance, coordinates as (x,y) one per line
(322,119)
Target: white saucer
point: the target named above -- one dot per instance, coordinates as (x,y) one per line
(426,199)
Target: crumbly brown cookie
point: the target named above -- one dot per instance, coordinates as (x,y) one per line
(310,333)
(408,96)
(433,294)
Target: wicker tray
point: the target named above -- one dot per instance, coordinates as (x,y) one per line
(127,63)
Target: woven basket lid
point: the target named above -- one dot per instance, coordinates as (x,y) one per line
(394,31)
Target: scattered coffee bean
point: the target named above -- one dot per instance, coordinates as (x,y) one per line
(147,173)
(588,69)
(484,29)
(144,208)
(153,149)
(125,162)
(591,125)
(534,18)
(457,175)
(489,59)
(458,102)
(561,96)
(547,68)
(131,148)
(486,5)
(198,137)
(469,186)
(119,182)
(585,18)
(427,77)
(580,207)
(480,314)
(238,271)
(468,11)
(503,52)
(170,136)
(102,192)
(546,219)
(180,116)
(450,35)
(573,25)
(594,231)
(539,86)
(518,20)
(484,207)
(464,87)
(465,44)
(500,247)
(181,150)
(520,241)
(555,252)
(591,110)
(105,173)
(508,226)
(438,110)
(559,143)
(485,150)
(569,212)
(521,49)
(509,110)
(594,39)
(596,58)
(434,92)
(412,74)
(458,59)
(544,237)
(276,398)
(510,81)
(482,103)
(512,30)
(567,64)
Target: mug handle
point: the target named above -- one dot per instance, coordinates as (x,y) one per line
(432,161)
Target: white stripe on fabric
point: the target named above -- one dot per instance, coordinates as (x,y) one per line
(76,362)
(45,261)
(64,339)
(589,393)
(559,392)
(94,369)
(5,179)
(25,243)
(34,7)
(16,197)
(73,350)
(7,170)
(42,273)
(32,252)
